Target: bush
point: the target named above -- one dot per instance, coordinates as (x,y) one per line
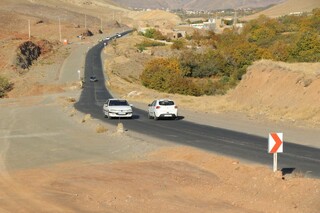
(148,43)
(178,44)
(306,48)
(155,34)
(26,54)
(166,75)
(5,86)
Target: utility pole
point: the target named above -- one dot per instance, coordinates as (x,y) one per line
(60,36)
(85,21)
(29,26)
(101,24)
(235,18)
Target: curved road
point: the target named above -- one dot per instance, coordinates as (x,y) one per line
(225,142)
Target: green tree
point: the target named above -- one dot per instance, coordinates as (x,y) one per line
(166,75)
(155,34)
(306,48)
(263,30)
(280,51)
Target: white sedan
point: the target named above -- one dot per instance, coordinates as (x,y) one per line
(162,108)
(117,108)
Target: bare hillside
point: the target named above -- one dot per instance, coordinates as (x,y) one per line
(75,18)
(196,5)
(155,17)
(287,7)
(281,91)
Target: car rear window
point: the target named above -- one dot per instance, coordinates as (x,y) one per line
(166,103)
(118,103)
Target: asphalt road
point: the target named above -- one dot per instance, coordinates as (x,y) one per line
(221,141)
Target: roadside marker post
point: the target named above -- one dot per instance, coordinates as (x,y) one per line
(275,146)
(79,73)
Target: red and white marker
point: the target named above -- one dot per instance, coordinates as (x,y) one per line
(275,146)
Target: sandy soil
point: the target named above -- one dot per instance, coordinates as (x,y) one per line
(52,158)
(169,180)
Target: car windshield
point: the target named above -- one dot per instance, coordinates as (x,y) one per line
(166,103)
(118,103)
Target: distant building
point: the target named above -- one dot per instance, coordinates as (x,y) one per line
(208,25)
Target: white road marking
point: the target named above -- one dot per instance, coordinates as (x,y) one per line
(34,135)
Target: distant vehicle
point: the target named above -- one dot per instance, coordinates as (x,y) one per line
(107,39)
(93,79)
(117,108)
(118,35)
(162,108)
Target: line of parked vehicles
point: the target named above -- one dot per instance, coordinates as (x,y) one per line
(160,108)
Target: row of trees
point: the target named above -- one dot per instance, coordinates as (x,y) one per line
(224,58)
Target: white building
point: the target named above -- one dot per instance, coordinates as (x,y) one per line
(208,25)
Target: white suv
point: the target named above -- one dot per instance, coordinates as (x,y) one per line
(117,108)
(162,108)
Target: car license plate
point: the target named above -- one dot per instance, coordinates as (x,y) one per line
(167,115)
(121,113)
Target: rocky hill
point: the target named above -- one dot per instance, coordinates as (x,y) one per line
(196,5)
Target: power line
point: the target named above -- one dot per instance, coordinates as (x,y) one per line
(60,36)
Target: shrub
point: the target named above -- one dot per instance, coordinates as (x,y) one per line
(26,54)
(155,34)
(148,43)
(101,129)
(5,86)
(306,48)
(166,75)
(178,44)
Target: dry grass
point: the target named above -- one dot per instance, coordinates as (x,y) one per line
(101,129)
(71,100)
(72,112)
(86,118)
